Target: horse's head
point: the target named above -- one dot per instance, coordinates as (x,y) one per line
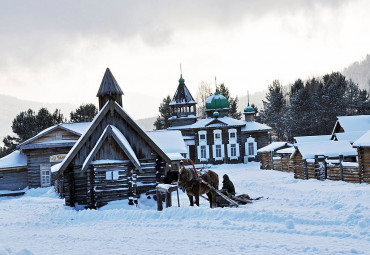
(183,177)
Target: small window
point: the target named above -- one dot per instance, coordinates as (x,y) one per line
(111,175)
(233,150)
(202,137)
(218,136)
(232,135)
(45,175)
(251,149)
(218,151)
(203,151)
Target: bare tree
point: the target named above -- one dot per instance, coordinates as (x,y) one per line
(204,91)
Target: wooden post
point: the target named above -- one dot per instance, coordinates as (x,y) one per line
(272,159)
(178,199)
(317,168)
(305,169)
(341,167)
(159,201)
(168,199)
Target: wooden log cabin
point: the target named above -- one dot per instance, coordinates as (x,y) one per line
(114,159)
(363,150)
(267,155)
(310,160)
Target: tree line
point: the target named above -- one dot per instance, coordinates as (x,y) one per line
(311,107)
(27,124)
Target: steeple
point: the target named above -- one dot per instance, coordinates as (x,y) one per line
(249,112)
(109,89)
(182,105)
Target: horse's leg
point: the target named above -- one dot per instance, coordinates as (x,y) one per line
(191,200)
(210,198)
(197,199)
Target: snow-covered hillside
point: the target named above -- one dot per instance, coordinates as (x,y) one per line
(295,217)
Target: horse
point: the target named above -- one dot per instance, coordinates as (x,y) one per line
(194,187)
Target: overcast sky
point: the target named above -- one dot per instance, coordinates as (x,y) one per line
(57,51)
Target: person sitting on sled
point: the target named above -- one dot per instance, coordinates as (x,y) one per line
(228,186)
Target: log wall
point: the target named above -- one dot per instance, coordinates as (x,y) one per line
(14,179)
(364,163)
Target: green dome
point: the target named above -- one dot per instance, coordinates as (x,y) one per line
(216,114)
(217,101)
(249,109)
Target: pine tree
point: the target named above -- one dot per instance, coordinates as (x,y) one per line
(233,102)
(273,113)
(162,121)
(84,113)
(28,124)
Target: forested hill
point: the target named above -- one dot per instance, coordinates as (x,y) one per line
(359,72)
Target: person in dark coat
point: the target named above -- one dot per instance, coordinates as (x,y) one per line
(228,185)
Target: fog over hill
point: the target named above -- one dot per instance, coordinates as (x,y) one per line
(359,72)
(10,107)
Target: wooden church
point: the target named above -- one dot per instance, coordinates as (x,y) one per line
(114,159)
(218,138)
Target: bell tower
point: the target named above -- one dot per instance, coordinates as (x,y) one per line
(183,106)
(109,89)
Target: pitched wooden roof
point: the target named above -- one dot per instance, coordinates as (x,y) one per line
(110,107)
(109,85)
(182,95)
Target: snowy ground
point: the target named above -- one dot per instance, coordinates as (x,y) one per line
(298,217)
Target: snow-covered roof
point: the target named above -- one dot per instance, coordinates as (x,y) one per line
(126,144)
(289,150)
(254,126)
(354,123)
(14,159)
(212,122)
(363,141)
(326,148)
(170,141)
(55,168)
(76,128)
(274,146)
(312,138)
(349,136)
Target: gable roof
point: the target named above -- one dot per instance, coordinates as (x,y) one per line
(274,146)
(109,85)
(349,136)
(326,148)
(170,141)
(14,159)
(363,141)
(251,126)
(75,128)
(114,106)
(352,123)
(312,138)
(122,142)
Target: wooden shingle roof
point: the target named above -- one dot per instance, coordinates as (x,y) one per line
(182,95)
(109,85)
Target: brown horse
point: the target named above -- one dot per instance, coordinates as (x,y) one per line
(189,182)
